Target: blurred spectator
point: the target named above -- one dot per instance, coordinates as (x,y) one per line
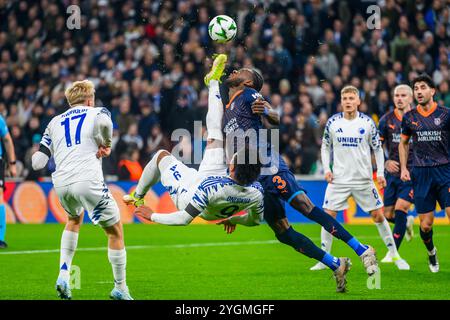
(132,137)
(129,167)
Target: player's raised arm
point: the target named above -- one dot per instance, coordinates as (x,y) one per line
(325,152)
(197,205)
(40,158)
(375,144)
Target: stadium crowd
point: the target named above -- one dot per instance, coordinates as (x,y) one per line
(148,59)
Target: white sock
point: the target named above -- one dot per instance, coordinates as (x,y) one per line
(69,242)
(215,112)
(386,234)
(118,260)
(326,239)
(149,177)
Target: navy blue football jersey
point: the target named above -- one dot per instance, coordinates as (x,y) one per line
(390,130)
(238,115)
(430,132)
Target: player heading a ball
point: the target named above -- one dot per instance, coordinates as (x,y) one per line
(222,29)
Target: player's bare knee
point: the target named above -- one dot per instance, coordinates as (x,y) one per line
(377,215)
(73,227)
(302,203)
(426,225)
(389,212)
(279,226)
(402,205)
(114,231)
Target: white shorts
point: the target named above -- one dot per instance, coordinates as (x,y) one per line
(181,181)
(366,196)
(94,197)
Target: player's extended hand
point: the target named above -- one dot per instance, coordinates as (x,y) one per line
(381,181)
(404,175)
(259,106)
(392,166)
(144,212)
(103,152)
(227,226)
(329,177)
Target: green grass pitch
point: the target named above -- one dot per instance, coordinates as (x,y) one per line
(202,262)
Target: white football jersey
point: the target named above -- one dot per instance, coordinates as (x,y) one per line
(346,147)
(220,197)
(73,138)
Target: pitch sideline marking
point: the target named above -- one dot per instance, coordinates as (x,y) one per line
(174,246)
(187,245)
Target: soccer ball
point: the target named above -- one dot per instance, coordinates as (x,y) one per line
(222,29)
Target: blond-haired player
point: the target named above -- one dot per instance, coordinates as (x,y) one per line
(78,139)
(348,139)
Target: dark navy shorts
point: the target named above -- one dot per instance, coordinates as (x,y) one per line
(278,188)
(431,184)
(395,189)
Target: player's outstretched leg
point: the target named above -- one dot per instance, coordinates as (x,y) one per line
(215,105)
(69,240)
(302,244)
(217,69)
(117,256)
(150,176)
(303,204)
(215,112)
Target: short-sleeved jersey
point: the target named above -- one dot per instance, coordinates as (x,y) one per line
(3,132)
(73,140)
(430,132)
(350,142)
(219,197)
(390,128)
(238,115)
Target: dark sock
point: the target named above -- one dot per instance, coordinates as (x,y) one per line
(336,229)
(427,238)
(305,246)
(399,227)
(391,220)
(330,224)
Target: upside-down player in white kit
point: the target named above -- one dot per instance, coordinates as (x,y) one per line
(210,192)
(348,139)
(78,139)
